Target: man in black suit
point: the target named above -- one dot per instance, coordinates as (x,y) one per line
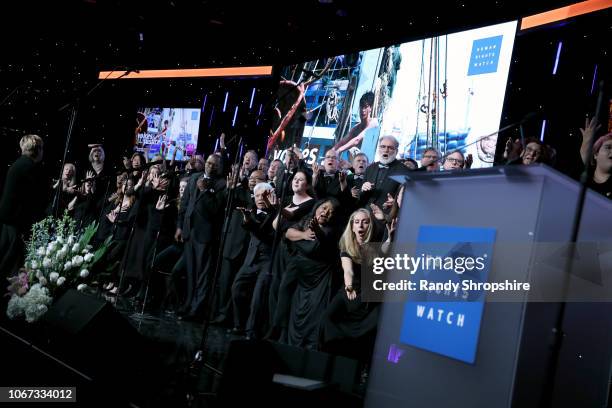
(251,282)
(356,180)
(22,204)
(199,226)
(328,181)
(378,187)
(236,243)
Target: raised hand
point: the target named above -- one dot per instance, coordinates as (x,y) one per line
(162,203)
(160,183)
(245,211)
(588,132)
(367,186)
(513,149)
(231,178)
(222,141)
(90,174)
(112,216)
(391,226)
(315,169)
(388,202)
(469,159)
(377,212)
(355,192)
(309,235)
(202,183)
(269,197)
(72,203)
(298,152)
(590,128)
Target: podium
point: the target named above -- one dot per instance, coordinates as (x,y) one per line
(531,209)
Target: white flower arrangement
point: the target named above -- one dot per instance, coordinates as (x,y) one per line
(57,257)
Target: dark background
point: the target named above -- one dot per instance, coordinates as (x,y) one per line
(53,53)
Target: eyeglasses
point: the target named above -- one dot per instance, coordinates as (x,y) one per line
(455,161)
(383,147)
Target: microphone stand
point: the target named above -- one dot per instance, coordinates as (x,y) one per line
(277,235)
(125,253)
(141,314)
(74,109)
(557,331)
(209,306)
(510,126)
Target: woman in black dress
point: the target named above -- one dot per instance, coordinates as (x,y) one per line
(349,324)
(142,242)
(284,280)
(314,241)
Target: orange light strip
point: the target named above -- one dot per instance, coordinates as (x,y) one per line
(189,73)
(563,13)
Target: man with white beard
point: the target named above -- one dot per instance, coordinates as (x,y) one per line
(377,186)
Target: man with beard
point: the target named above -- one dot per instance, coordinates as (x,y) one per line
(22,204)
(199,226)
(378,187)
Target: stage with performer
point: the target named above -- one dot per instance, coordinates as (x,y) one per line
(412,218)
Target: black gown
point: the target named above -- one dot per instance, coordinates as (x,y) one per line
(284,279)
(349,326)
(142,243)
(314,263)
(22,204)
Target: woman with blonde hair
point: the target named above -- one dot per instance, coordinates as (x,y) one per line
(349,324)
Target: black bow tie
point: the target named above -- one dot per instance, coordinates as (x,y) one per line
(383,166)
(330,175)
(261,212)
(358,177)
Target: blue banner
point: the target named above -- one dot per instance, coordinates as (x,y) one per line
(447,321)
(485,55)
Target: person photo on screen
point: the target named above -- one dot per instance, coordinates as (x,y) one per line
(357,133)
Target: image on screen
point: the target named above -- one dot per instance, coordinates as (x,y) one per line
(162,131)
(446,92)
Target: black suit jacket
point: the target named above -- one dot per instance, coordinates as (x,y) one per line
(383,185)
(237,237)
(201,213)
(262,237)
(25,195)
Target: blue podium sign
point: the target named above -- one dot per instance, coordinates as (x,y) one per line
(447,321)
